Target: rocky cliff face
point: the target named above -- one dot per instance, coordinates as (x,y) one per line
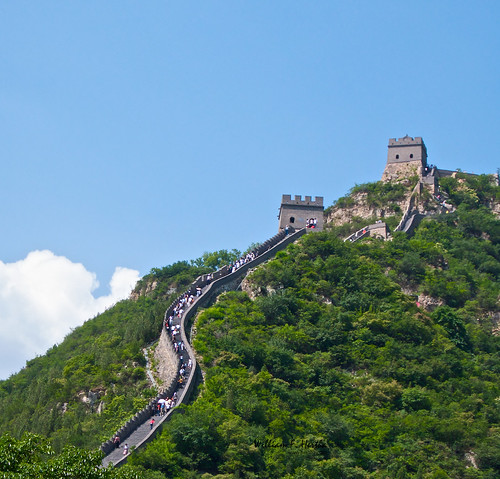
(167,363)
(494,206)
(143,289)
(361,205)
(359,208)
(401,171)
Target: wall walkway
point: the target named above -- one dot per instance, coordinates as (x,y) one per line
(411,217)
(138,431)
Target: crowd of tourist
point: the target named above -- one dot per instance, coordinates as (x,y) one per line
(172,324)
(311,222)
(186,300)
(243,260)
(162,406)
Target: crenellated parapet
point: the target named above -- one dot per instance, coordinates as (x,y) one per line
(298,201)
(301,213)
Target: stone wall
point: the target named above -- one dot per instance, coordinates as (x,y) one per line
(379,230)
(167,361)
(138,419)
(294,212)
(221,280)
(406,157)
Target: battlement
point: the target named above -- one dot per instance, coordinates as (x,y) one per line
(405,141)
(298,201)
(300,213)
(406,150)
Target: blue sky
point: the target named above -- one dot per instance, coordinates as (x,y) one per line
(135,134)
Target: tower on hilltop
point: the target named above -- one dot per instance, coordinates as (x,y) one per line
(296,212)
(405,157)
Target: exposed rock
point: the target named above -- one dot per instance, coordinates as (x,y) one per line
(249,288)
(470,457)
(254,291)
(408,290)
(429,303)
(166,360)
(399,171)
(359,208)
(100,408)
(146,289)
(340,215)
(151,287)
(495,319)
(82,396)
(94,396)
(91,397)
(494,206)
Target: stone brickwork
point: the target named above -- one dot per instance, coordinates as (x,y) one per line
(137,431)
(405,157)
(379,230)
(167,361)
(295,212)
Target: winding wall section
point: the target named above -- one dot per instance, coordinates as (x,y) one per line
(137,432)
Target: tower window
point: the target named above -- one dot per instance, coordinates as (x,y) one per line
(292,219)
(411,155)
(397,157)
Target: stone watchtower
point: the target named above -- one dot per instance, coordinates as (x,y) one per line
(405,157)
(295,212)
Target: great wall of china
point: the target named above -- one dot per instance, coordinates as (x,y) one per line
(138,432)
(406,157)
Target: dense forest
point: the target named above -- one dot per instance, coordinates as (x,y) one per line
(350,360)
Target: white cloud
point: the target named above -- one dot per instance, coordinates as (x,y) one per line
(42,297)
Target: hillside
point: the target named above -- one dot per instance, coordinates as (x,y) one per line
(328,365)
(366,359)
(388,201)
(371,201)
(83,389)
